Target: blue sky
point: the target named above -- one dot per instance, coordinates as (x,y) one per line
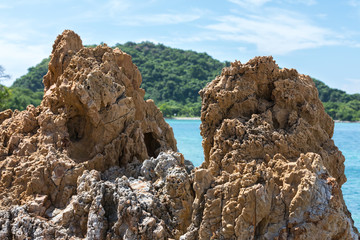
(318,38)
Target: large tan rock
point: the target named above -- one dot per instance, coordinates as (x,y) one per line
(271,169)
(96,161)
(93,116)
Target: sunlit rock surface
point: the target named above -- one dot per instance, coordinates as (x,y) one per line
(271,169)
(96,161)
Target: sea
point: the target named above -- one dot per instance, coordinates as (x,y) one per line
(346,138)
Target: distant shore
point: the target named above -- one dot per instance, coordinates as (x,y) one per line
(198,118)
(339,121)
(183,118)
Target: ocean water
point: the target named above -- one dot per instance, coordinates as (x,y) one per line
(346,137)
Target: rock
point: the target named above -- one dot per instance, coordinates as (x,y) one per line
(96,161)
(93,116)
(110,205)
(271,169)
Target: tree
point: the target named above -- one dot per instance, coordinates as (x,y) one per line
(4,91)
(33,79)
(2,73)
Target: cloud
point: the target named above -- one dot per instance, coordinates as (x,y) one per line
(16,58)
(274,31)
(354,3)
(306,2)
(4,6)
(351,85)
(19,49)
(249,3)
(95,11)
(259,3)
(127,13)
(159,19)
(117,6)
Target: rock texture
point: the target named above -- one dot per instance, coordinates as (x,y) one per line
(96,161)
(271,170)
(155,202)
(93,119)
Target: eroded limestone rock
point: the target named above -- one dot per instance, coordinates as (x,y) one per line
(271,169)
(157,204)
(96,161)
(93,117)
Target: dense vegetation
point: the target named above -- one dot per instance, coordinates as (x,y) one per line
(338,104)
(33,79)
(4,91)
(27,89)
(173,78)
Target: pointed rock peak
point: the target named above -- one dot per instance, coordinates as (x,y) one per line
(65,46)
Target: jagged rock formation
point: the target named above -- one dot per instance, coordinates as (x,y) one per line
(93,118)
(95,161)
(271,170)
(154,202)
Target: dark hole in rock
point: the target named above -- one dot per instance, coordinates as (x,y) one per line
(110,206)
(276,123)
(261,227)
(76,126)
(152,145)
(81,144)
(6,140)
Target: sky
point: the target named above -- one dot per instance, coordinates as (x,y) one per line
(320,38)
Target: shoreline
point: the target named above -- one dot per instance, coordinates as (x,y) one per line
(198,118)
(182,118)
(340,121)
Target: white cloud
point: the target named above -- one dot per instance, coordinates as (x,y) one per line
(274,32)
(100,10)
(351,85)
(17,58)
(117,6)
(306,2)
(4,6)
(354,3)
(19,50)
(125,13)
(322,15)
(198,37)
(249,3)
(159,19)
(242,49)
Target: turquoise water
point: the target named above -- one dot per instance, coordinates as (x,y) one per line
(187,135)
(346,137)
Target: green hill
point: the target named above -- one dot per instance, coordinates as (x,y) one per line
(338,104)
(172,78)
(31,79)
(28,89)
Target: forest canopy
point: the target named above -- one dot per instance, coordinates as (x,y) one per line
(172,78)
